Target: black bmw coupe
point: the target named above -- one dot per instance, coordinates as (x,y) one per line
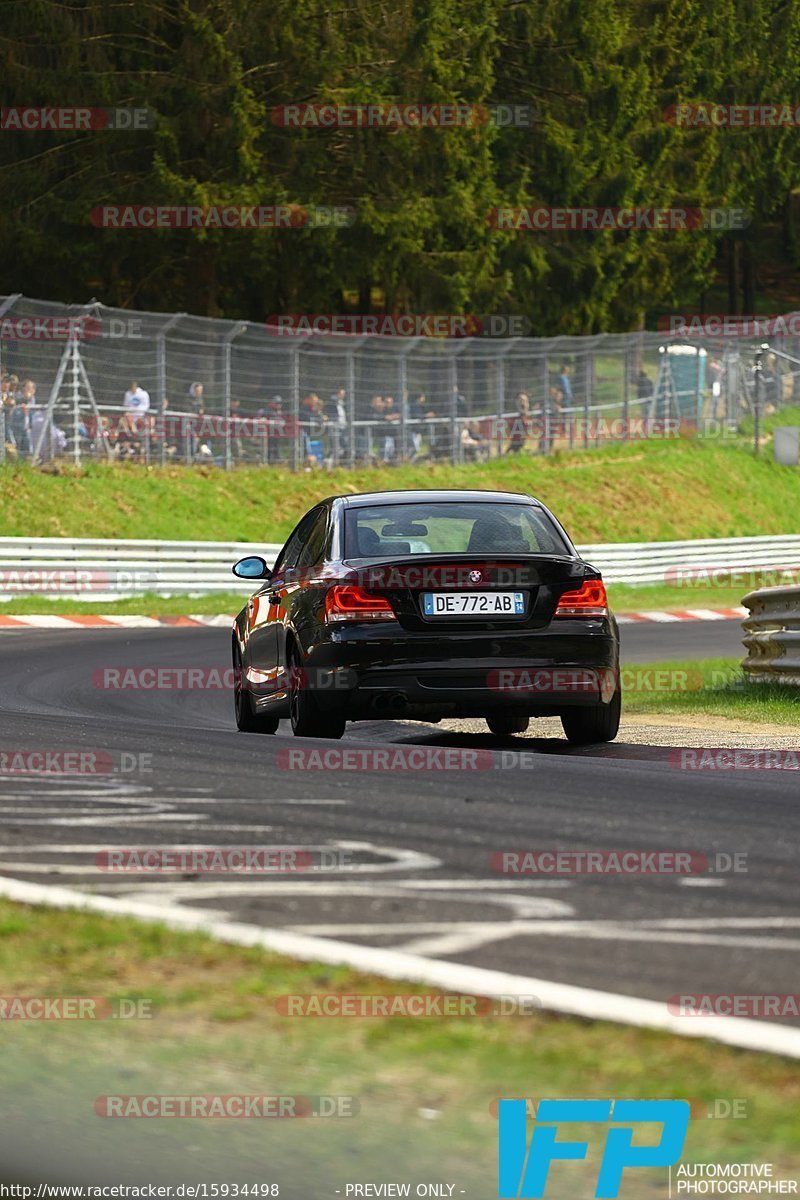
(427,605)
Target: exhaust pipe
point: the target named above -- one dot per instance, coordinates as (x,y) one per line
(391,702)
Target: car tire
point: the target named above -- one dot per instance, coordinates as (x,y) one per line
(304,711)
(504,726)
(599,723)
(248,721)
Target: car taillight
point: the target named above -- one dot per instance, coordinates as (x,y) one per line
(348,602)
(589,601)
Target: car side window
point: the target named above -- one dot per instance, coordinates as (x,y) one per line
(291,551)
(312,551)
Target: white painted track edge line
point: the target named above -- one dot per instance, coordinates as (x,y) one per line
(586,1003)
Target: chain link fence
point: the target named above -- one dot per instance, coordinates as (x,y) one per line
(87,382)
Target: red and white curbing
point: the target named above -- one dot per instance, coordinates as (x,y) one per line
(90,621)
(221,620)
(684,614)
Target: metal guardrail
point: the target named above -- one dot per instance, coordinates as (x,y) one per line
(97,569)
(772,636)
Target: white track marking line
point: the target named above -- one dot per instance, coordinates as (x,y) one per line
(588,1003)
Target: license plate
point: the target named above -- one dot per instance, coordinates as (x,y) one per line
(479,604)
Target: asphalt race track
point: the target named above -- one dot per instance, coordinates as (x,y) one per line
(419,877)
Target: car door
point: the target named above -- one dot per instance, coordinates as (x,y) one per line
(266,613)
(298,601)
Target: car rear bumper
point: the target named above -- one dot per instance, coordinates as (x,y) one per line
(374,672)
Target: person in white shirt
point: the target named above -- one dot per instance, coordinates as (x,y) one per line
(137,400)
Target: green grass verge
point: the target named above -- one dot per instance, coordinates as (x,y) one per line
(425,1086)
(629,597)
(146,605)
(708,687)
(646,491)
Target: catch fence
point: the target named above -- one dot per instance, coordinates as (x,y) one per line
(232,392)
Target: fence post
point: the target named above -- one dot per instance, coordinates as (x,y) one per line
(351,408)
(161,375)
(298,433)
(76,401)
(229,337)
(626,392)
(500,392)
(5,307)
(402,395)
(585,374)
(452,374)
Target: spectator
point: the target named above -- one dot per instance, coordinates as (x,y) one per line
(136,399)
(54,441)
(337,424)
(389,430)
(564,382)
(474,446)
(420,411)
(128,440)
(550,417)
(196,398)
(519,424)
(771,384)
(274,428)
(315,439)
(373,416)
(163,432)
(644,385)
(8,407)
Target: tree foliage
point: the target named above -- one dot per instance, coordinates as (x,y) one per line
(599,74)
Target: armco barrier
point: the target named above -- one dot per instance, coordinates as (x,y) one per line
(772,636)
(92,569)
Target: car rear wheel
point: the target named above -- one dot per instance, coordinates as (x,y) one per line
(248,721)
(503,726)
(600,723)
(305,714)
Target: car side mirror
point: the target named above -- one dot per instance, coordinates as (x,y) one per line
(253,567)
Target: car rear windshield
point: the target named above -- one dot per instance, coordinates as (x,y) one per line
(450,527)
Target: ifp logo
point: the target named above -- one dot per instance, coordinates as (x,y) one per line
(523,1170)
